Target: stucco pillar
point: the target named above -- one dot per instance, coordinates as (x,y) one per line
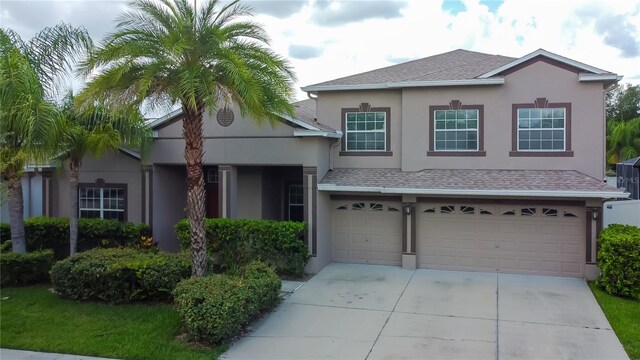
(228,191)
(147,194)
(310,188)
(409,232)
(594,225)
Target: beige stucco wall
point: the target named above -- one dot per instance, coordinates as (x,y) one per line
(113,168)
(329,112)
(241,126)
(410,121)
(523,86)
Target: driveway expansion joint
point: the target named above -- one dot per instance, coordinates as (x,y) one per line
(389,316)
(555,324)
(339,307)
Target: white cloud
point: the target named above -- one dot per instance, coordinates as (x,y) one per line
(420,28)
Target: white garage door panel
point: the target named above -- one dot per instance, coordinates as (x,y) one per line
(506,238)
(367,232)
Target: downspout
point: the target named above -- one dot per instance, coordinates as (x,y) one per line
(335,143)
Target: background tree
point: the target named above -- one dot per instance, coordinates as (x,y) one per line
(169,52)
(95,130)
(29,75)
(623,140)
(623,123)
(623,103)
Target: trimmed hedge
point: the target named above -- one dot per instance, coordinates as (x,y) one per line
(619,260)
(239,242)
(53,233)
(120,275)
(215,308)
(25,269)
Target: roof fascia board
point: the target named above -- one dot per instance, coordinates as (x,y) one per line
(547,54)
(161,120)
(472,192)
(405,84)
(599,77)
(309,133)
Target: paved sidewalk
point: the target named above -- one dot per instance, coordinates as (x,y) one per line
(8,354)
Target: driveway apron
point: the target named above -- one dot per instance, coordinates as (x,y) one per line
(351,311)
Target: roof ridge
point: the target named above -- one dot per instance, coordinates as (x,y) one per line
(485,56)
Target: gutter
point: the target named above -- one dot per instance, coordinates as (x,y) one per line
(405,84)
(319,133)
(472,192)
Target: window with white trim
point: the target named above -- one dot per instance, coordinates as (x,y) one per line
(541,129)
(296,202)
(102,203)
(366,131)
(456,130)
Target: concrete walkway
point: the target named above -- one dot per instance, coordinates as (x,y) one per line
(351,311)
(8,354)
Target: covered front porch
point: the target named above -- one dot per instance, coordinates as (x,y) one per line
(236,192)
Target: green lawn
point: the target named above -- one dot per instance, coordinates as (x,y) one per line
(35,319)
(624,316)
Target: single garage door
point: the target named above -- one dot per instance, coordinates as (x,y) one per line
(530,239)
(367,232)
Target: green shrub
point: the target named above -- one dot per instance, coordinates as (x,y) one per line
(53,233)
(215,308)
(5,232)
(278,243)
(619,260)
(25,269)
(120,275)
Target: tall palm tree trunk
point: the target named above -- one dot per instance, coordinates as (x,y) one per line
(16,213)
(193,154)
(74,176)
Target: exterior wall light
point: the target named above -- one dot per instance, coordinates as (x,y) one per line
(407,209)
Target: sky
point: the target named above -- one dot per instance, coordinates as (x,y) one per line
(328,39)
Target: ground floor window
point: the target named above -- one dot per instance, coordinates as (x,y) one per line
(296,202)
(102,203)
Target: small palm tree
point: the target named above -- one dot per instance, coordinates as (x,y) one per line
(203,58)
(623,140)
(96,131)
(29,75)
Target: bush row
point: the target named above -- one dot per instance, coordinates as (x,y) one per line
(25,269)
(120,275)
(619,260)
(215,308)
(239,242)
(53,233)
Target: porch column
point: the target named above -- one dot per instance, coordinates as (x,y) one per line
(227,191)
(310,188)
(147,194)
(409,232)
(47,193)
(594,226)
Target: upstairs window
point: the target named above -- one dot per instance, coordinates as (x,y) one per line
(456,130)
(366,131)
(542,129)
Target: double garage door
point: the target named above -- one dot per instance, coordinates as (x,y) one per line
(522,238)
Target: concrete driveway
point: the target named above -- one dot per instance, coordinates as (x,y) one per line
(350,311)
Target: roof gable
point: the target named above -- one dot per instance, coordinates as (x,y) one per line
(547,57)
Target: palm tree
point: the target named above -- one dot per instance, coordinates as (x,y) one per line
(95,130)
(623,140)
(29,74)
(203,58)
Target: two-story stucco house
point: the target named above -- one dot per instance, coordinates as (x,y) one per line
(462,160)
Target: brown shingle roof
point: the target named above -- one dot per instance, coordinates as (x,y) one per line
(463,179)
(454,65)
